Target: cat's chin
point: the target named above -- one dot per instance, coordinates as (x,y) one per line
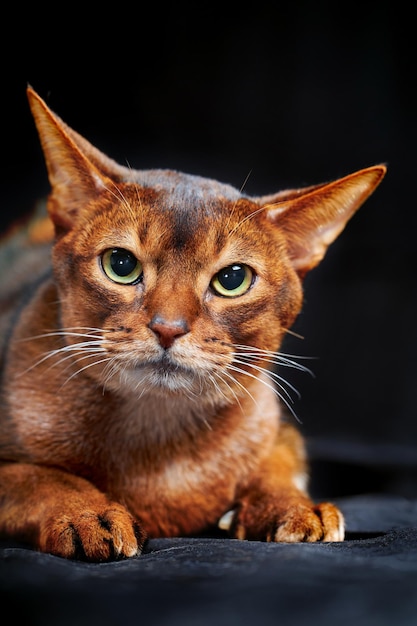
(159,378)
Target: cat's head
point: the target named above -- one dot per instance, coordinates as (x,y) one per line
(179,283)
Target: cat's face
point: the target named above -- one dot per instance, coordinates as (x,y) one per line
(181,287)
(174,283)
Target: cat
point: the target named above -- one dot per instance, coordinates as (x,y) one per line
(141,319)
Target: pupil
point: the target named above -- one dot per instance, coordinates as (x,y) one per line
(232,277)
(122,263)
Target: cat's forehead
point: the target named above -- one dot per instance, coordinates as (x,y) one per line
(167,211)
(185,187)
(193,207)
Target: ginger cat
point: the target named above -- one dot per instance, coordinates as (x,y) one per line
(139,390)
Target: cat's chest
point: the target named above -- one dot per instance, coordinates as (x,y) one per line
(189,493)
(197,475)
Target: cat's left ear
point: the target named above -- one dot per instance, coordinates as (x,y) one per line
(313,217)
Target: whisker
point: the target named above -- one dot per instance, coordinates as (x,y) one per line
(111,368)
(242,387)
(77,347)
(73,358)
(277,358)
(68,332)
(226,384)
(293,333)
(248,175)
(234,368)
(245,219)
(86,367)
(273,388)
(119,195)
(272,376)
(142,382)
(236,201)
(85,355)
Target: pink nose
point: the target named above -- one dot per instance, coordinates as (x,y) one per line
(168,331)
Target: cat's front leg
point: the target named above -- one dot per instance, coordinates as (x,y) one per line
(65,515)
(274,506)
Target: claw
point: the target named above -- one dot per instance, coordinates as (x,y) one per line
(226,520)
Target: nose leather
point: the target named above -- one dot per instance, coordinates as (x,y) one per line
(167,331)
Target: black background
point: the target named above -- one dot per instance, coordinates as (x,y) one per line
(292,94)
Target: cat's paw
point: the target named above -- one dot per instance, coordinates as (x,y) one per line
(322,522)
(96,534)
(298,522)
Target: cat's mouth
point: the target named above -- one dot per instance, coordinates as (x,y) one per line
(165,367)
(162,373)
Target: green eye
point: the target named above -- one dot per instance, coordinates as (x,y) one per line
(121,266)
(233,280)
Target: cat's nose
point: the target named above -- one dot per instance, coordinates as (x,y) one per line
(167,331)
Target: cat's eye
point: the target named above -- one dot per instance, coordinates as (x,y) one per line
(121,266)
(233,280)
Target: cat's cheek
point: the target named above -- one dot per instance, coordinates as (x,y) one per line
(108,306)
(245,321)
(288,301)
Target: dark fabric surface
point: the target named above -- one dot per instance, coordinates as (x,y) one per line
(371,578)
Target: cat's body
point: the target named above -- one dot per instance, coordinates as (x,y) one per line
(138,393)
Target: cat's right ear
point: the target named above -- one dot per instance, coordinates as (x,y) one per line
(72,165)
